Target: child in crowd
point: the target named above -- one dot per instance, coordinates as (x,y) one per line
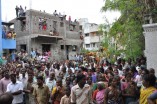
(66,98)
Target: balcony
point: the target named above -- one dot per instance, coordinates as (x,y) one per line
(91,28)
(94,39)
(8,43)
(47,32)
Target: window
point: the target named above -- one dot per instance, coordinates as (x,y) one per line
(80,27)
(93,44)
(61,24)
(73,48)
(74,27)
(23,25)
(87,34)
(54,24)
(62,47)
(87,45)
(42,24)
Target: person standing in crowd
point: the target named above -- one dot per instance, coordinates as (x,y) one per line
(15,88)
(51,83)
(80,93)
(24,79)
(33,53)
(152,98)
(58,92)
(66,98)
(100,93)
(112,93)
(41,91)
(148,83)
(4,82)
(29,88)
(130,94)
(6,98)
(13,56)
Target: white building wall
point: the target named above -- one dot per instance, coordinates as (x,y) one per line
(87,40)
(150,33)
(92,41)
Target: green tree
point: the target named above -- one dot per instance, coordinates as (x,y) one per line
(127,30)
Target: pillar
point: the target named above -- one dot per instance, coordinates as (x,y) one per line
(150,33)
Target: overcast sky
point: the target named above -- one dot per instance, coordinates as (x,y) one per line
(75,8)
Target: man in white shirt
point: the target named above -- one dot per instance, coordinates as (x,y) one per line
(23,77)
(80,93)
(16,89)
(51,83)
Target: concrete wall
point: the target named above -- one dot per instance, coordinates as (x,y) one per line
(150,33)
(72,35)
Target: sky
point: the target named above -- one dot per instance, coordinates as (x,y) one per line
(90,9)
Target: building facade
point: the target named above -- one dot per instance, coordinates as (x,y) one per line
(150,33)
(91,36)
(48,32)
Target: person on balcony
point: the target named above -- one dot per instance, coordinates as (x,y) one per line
(69,19)
(40,23)
(21,11)
(51,33)
(17,11)
(13,35)
(55,33)
(55,13)
(4,32)
(44,26)
(24,12)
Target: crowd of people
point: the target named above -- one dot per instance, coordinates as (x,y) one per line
(79,81)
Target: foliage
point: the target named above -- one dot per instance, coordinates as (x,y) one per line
(127,31)
(84,51)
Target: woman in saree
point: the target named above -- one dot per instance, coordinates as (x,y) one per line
(112,93)
(148,83)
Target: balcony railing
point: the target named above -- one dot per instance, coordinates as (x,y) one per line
(8,43)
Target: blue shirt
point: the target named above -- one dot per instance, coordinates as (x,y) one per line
(33,54)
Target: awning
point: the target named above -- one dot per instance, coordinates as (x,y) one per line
(7,23)
(47,36)
(73,42)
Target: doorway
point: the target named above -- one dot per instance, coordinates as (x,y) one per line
(46,47)
(67,52)
(23,46)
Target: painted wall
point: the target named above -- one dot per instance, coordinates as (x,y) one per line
(8,44)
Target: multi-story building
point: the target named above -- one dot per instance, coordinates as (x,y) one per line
(48,32)
(91,37)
